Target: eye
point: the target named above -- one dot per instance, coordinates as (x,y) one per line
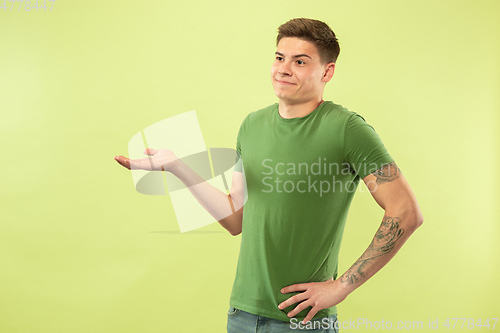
(300,62)
(278,58)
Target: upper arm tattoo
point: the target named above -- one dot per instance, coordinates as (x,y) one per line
(387,173)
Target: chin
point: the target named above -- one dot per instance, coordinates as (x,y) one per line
(281,94)
(285,99)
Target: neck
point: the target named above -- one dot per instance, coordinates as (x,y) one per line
(287,110)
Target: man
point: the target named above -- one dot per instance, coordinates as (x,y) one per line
(300,160)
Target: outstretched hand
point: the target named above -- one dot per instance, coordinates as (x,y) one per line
(158,160)
(318,295)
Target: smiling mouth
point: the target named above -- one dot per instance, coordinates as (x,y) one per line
(284,82)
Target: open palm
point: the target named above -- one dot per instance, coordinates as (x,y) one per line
(159,160)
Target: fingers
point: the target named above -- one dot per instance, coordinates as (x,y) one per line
(123,161)
(310,316)
(294,287)
(150,151)
(292,300)
(138,164)
(299,308)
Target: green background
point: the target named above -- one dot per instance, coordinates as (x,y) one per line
(82,251)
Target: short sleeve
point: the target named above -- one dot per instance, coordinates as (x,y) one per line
(238,162)
(364,150)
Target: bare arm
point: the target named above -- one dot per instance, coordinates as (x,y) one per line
(226,209)
(402,217)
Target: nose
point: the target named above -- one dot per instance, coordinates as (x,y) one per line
(285,69)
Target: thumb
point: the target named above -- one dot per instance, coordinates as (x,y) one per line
(150,151)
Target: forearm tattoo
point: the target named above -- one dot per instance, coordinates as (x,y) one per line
(387,173)
(383,243)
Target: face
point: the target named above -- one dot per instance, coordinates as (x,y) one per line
(297,73)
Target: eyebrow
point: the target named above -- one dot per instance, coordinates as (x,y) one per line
(295,56)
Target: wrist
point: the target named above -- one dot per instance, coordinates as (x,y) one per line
(175,167)
(344,287)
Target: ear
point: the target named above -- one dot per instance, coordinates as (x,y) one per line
(328,73)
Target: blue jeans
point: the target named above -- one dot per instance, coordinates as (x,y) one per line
(239,321)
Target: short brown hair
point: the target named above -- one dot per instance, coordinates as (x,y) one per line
(315,31)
